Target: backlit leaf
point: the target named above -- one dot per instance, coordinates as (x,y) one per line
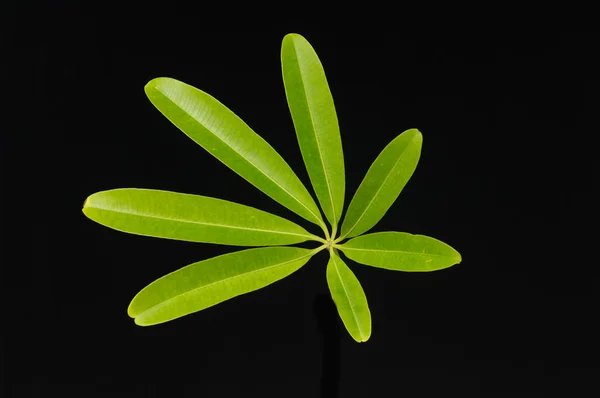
(193,218)
(382,184)
(349,298)
(206,283)
(400,251)
(315,122)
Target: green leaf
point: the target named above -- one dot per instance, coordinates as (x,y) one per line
(382,184)
(349,298)
(400,251)
(316,123)
(206,283)
(228,138)
(192,218)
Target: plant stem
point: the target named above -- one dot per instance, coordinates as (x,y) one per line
(341,237)
(327,322)
(318,239)
(318,249)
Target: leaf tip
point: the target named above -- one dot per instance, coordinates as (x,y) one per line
(139,322)
(150,86)
(130,311)
(137,316)
(363,339)
(156,83)
(458,257)
(293,39)
(417,135)
(292,36)
(87,204)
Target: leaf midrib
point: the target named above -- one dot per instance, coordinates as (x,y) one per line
(312,122)
(199,223)
(226,280)
(342,247)
(317,218)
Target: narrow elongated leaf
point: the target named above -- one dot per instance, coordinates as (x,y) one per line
(228,138)
(400,251)
(206,283)
(194,218)
(382,184)
(349,298)
(316,123)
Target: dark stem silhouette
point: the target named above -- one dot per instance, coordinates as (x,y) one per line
(327,322)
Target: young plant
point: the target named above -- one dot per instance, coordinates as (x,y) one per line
(197,218)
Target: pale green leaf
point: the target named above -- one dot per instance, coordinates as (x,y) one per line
(206,283)
(316,123)
(382,184)
(349,298)
(228,138)
(400,251)
(194,218)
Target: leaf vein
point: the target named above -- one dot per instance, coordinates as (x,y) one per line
(392,251)
(274,231)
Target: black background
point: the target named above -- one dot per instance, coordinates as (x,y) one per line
(505,177)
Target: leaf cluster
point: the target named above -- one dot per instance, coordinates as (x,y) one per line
(196,218)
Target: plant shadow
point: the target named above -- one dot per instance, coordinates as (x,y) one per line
(327,322)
